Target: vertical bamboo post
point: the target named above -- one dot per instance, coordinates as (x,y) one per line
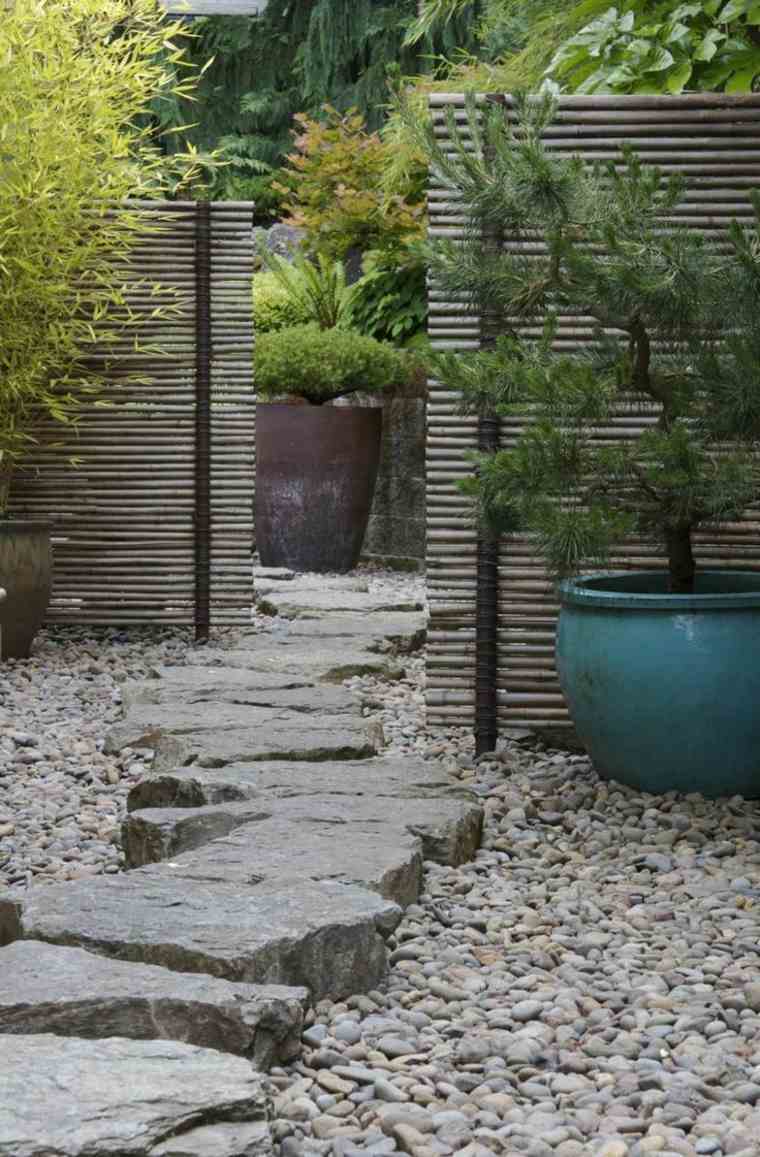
(202,520)
(487,566)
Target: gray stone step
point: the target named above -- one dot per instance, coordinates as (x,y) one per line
(384,858)
(382,777)
(402,633)
(216,734)
(324,935)
(123,1098)
(304,827)
(290,603)
(191,686)
(69,992)
(313,660)
(299,584)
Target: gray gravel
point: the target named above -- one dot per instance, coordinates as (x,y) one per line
(589,985)
(61,799)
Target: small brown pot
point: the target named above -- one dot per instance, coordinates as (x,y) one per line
(316,468)
(26,575)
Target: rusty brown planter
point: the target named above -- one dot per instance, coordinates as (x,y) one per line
(316,468)
(25,573)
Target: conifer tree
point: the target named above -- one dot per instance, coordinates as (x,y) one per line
(674,324)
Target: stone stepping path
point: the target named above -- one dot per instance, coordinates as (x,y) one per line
(268,869)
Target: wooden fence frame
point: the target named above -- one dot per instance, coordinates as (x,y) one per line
(156,524)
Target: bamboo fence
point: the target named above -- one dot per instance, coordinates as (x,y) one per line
(493,610)
(155,525)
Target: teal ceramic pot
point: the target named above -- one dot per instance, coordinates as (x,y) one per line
(664,690)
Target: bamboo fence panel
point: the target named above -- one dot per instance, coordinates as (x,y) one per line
(125,520)
(714,141)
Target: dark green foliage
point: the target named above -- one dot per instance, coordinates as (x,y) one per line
(675,323)
(296,56)
(649,47)
(390,299)
(321,364)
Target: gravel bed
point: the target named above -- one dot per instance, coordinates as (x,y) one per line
(589,985)
(61,799)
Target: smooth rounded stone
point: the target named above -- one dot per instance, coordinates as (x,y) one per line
(388,1092)
(389,1116)
(394,1046)
(348,1032)
(526,1010)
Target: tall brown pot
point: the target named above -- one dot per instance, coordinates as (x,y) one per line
(316,468)
(26,575)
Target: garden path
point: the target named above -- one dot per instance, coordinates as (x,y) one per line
(273,852)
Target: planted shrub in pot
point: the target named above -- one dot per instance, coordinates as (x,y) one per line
(317,463)
(660,669)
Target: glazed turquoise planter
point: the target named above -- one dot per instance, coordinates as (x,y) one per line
(664,690)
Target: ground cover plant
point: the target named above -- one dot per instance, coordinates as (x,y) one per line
(673,323)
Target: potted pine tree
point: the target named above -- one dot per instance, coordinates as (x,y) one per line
(660,669)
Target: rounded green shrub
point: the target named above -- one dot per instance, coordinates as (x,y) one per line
(322,364)
(273,307)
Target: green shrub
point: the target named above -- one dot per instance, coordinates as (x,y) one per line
(316,286)
(389,302)
(322,364)
(333,189)
(273,307)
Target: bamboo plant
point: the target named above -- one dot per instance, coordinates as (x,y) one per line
(77,81)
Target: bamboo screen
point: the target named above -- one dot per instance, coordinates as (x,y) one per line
(714,140)
(140,522)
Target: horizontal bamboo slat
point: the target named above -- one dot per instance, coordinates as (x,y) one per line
(123,520)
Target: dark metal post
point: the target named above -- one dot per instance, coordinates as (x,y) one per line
(487,574)
(487,617)
(202,420)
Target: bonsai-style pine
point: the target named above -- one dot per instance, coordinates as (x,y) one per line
(673,322)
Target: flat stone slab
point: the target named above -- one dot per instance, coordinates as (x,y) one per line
(326,936)
(300,831)
(187,687)
(314,660)
(402,633)
(382,777)
(64,1097)
(69,992)
(299,584)
(217,734)
(384,858)
(313,604)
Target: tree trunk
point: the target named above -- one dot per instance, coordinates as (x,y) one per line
(680,559)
